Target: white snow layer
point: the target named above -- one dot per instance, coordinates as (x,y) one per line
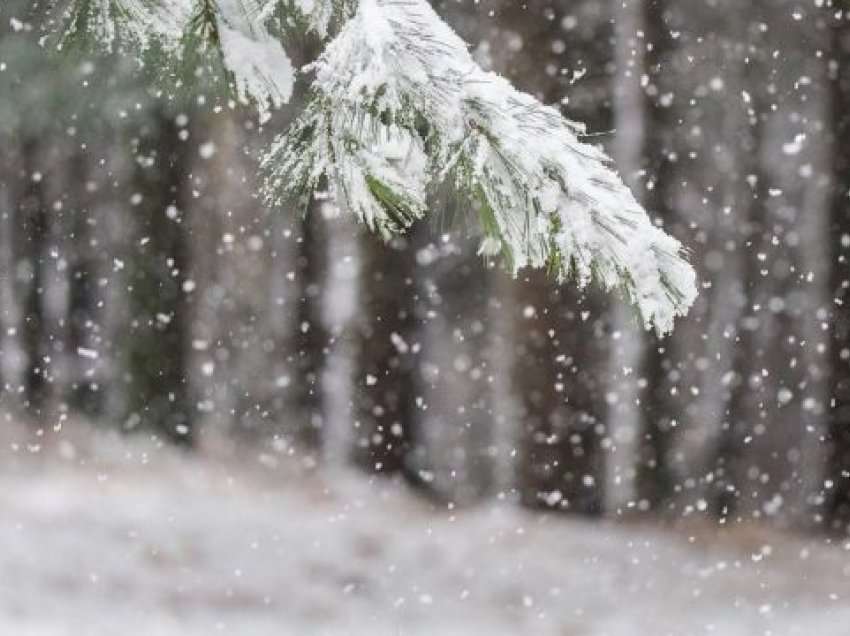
(144,542)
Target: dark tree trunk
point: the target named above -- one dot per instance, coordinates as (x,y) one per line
(158,337)
(558,337)
(83,322)
(454,445)
(655,478)
(13,361)
(744,411)
(838,504)
(312,340)
(31,253)
(384,393)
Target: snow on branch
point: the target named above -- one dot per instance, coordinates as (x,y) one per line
(124,24)
(550,200)
(254,61)
(399,108)
(320,16)
(261,69)
(385,93)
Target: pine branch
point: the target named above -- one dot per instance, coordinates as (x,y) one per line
(400,110)
(121,25)
(323,17)
(219,42)
(558,203)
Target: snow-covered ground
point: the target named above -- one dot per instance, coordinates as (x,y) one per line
(153,543)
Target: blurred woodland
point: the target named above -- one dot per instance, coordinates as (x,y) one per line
(145,288)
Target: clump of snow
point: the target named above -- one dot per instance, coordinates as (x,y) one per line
(262,71)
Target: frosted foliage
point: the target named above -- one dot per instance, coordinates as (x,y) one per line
(320,14)
(382,95)
(400,107)
(259,68)
(554,200)
(120,24)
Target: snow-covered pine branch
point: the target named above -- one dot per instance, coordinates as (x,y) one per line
(386,102)
(399,109)
(554,201)
(236,32)
(125,25)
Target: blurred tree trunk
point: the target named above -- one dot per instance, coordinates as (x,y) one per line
(30,249)
(159,335)
(115,234)
(470,426)
(7,319)
(655,478)
(716,202)
(505,404)
(736,456)
(771,459)
(283,309)
(456,429)
(312,340)
(340,308)
(384,392)
(558,347)
(806,287)
(838,503)
(628,349)
(84,302)
(744,398)
(215,217)
(12,356)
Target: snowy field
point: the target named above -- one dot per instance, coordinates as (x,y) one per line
(152,543)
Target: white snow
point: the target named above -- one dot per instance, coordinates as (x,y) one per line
(133,540)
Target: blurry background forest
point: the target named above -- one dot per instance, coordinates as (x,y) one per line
(145,289)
